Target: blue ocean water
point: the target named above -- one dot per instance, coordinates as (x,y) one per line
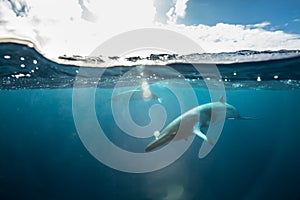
(43,157)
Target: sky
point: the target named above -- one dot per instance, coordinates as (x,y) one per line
(78,26)
(282,15)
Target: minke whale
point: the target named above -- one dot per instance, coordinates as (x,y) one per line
(136,95)
(194,121)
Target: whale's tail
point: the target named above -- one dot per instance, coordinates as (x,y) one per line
(238,117)
(248,118)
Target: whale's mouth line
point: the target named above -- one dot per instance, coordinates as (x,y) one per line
(159,142)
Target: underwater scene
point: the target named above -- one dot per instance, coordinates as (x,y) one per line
(149,100)
(52,116)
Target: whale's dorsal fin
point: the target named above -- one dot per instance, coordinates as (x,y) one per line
(222,99)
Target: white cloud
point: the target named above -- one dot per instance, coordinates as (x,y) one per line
(177,11)
(72,27)
(259,25)
(296,20)
(86,11)
(61,27)
(227,37)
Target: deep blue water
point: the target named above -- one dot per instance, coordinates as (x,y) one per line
(42,156)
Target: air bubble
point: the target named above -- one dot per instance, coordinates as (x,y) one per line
(258,79)
(18,75)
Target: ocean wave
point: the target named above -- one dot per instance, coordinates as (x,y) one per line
(22,66)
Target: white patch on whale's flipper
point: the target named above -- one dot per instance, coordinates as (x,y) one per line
(202,135)
(213,134)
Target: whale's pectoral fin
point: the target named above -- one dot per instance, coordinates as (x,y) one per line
(204,137)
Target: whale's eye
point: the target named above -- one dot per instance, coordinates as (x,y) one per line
(156,134)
